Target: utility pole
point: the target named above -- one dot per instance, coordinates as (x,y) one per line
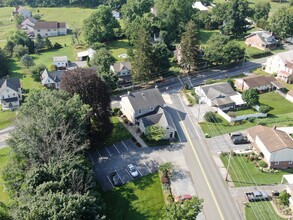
(229,164)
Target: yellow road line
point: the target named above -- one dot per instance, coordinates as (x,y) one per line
(201,168)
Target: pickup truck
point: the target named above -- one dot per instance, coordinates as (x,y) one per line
(257,196)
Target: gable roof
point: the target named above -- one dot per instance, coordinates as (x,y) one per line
(256,81)
(159,116)
(29,21)
(12,83)
(287,58)
(218,90)
(265,36)
(198,5)
(60,58)
(56,76)
(145,99)
(272,139)
(49,25)
(119,66)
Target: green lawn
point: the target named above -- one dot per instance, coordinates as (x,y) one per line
(278,104)
(5,24)
(139,199)
(244,173)
(119,132)
(4,197)
(261,210)
(6,118)
(245,112)
(204,36)
(119,47)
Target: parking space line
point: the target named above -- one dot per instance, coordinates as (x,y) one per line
(139,172)
(147,167)
(155,163)
(110,181)
(129,174)
(119,176)
(99,153)
(163,159)
(108,151)
(124,145)
(116,148)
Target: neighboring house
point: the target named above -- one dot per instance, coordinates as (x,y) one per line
(52,79)
(84,55)
(50,28)
(28,25)
(289,96)
(24,12)
(116,14)
(261,39)
(219,95)
(123,71)
(198,5)
(61,62)
(282,65)
(161,117)
(276,145)
(10,93)
(260,83)
(134,105)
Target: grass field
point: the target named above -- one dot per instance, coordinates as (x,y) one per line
(5,24)
(119,47)
(119,132)
(4,197)
(6,118)
(244,173)
(139,199)
(278,104)
(245,112)
(261,210)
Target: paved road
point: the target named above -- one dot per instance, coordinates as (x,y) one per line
(4,134)
(209,184)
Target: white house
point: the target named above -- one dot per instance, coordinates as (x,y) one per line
(219,95)
(61,62)
(160,117)
(10,93)
(134,105)
(50,28)
(84,55)
(276,145)
(52,79)
(116,14)
(123,71)
(24,12)
(282,65)
(198,5)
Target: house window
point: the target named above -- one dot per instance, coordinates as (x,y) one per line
(139,111)
(290,162)
(277,163)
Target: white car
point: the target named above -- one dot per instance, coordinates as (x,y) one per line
(132,170)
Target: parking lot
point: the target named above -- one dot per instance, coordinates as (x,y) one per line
(116,157)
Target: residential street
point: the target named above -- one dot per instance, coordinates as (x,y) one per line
(208,182)
(4,133)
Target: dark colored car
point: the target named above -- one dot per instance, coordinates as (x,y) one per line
(116,179)
(243,140)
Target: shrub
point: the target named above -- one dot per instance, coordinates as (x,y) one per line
(115,111)
(233,154)
(125,120)
(262,164)
(57,46)
(231,114)
(262,123)
(120,112)
(251,119)
(264,108)
(165,179)
(53,67)
(210,117)
(284,198)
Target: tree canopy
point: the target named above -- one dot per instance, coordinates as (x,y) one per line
(155,132)
(100,25)
(251,97)
(3,64)
(281,23)
(95,92)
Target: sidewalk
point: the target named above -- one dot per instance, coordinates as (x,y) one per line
(132,129)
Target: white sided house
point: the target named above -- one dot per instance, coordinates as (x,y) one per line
(260,83)
(123,71)
(116,14)
(134,105)
(52,79)
(10,93)
(282,65)
(24,12)
(85,55)
(198,5)
(276,145)
(50,28)
(61,62)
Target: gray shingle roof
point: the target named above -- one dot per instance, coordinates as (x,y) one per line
(265,36)
(12,83)
(145,99)
(218,90)
(119,66)
(56,75)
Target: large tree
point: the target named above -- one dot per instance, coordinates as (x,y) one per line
(234,24)
(251,97)
(3,64)
(18,38)
(27,61)
(103,59)
(36,71)
(221,50)
(190,46)
(94,92)
(160,57)
(281,23)
(262,10)
(136,8)
(99,26)
(155,132)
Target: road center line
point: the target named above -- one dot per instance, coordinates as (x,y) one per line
(201,168)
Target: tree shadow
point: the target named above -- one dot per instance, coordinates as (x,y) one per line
(178,175)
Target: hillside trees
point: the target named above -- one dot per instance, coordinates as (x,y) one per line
(94,92)
(281,23)
(18,38)
(99,26)
(135,8)
(3,64)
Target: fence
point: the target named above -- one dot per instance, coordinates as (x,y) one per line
(242,117)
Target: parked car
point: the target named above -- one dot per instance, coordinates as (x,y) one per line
(182,198)
(243,140)
(257,196)
(116,179)
(132,170)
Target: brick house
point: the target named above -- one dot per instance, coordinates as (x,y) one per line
(261,39)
